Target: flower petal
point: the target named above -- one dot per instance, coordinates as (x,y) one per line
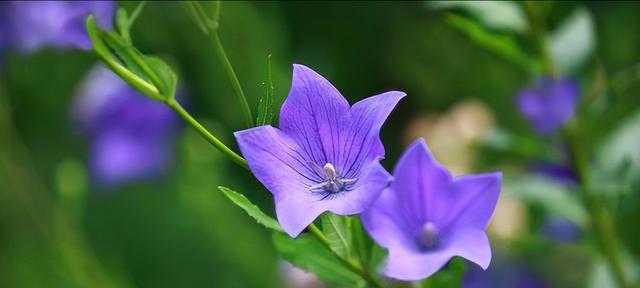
(472,202)
(385,224)
(276,160)
(420,183)
(312,115)
(361,145)
(410,265)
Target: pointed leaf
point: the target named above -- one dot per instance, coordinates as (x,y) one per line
(121,63)
(251,209)
(573,42)
(337,232)
(309,254)
(498,15)
(361,243)
(501,44)
(166,75)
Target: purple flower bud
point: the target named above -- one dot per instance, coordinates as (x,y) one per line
(130,135)
(549,104)
(325,154)
(29,25)
(426,216)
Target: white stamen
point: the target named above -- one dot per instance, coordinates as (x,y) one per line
(331,183)
(330,171)
(429,235)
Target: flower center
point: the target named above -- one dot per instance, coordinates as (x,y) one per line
(332,182)
(429,235)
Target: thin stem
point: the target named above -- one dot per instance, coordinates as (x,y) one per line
(538,28)
(601,220)
(316,232)
(206,134)
(244,105)
(135,14)
(210,26)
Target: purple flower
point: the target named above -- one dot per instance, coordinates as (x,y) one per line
(31,25)
(560,230)
(426,216)
(325,155)
(549,104)
(557,172)
(131,135)
(508,274)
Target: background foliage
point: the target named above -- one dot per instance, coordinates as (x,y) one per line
(180,231)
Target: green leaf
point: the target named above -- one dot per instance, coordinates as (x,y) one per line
(124,66)
(251,209)
(451,276)
(506,144)
(309,254)
(265,106)
(338,232)
(617,158)
(573,42)
(503,45)
(496,15)
(553,197)
(361,242)
(166,75)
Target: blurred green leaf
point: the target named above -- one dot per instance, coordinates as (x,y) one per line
(503,45)
(338,232)
(573,42)
(309,254)
(265,106)
(512,145)
(601,275)
(498,15)
(555,198)
(618,156)
(450,276)
(251,209)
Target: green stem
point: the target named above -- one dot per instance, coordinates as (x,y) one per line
(244,105)
(316,232)
(538,29)
(206,134)
(602,223)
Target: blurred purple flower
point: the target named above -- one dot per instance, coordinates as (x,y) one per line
(556,172)
(501,275)
(131,136)
(549,104)
(426,216)
(560,230)
(29,25)
(325,155)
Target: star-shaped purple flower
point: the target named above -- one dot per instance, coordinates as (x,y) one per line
(549,104)
(30,25)
(131,135)
(324,156)
(426,216)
